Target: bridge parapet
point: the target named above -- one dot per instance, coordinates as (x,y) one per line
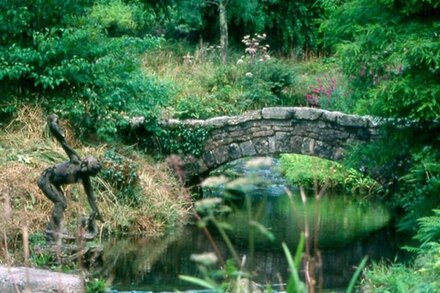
(271,131)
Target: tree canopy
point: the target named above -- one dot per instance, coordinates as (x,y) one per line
(391,50)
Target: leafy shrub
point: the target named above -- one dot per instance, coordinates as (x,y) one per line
(265,83)
(112,89)
(184,140)
(420,187)
(408,172)
(265,80)
(398,278)
(36,239)
(390,50)
(215,93)
(429,228)
(121,173)
(321,83)
(256,92)
(42,260)
(63,57)
(223,76)
(253,86)
(115,16)
(298,169)
(385,159)
(235,88)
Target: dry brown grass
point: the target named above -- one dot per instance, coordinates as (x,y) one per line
(22,204)
(163,203)
(26,149)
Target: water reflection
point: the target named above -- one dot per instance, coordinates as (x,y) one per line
(343,219)
(153,264)
(146,264)
(349,229)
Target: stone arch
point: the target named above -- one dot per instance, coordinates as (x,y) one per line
(272,131)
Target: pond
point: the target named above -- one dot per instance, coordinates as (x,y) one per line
(347,229)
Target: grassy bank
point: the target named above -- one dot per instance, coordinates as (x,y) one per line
(306,170)
(135,194)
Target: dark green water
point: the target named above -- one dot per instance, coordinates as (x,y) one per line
(339,219)
(348,228)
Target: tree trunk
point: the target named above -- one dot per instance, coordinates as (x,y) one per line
(223,30)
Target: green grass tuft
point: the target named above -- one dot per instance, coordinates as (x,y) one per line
(304,170)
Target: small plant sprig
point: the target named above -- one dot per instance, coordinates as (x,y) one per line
(96,286)
(186,140)
(122,173)
(324,89)
(329,91)
(255,50)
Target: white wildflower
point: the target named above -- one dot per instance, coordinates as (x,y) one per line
(207,258)
(207,203)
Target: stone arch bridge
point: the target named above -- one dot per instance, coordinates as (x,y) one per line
(272,131)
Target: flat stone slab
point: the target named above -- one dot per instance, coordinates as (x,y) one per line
(20,279)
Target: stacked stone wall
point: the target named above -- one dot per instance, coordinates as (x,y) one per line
(272,131)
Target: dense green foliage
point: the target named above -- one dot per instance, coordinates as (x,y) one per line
(183,140)
(292,25)
(204,87)
(391,51)
(420,186)
(64,57)
(96,286)
(234,89)
(81,59)
(420,276)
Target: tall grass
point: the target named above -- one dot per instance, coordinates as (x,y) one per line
(206,87)
(188,70)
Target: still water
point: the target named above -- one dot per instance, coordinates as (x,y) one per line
(349,229)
